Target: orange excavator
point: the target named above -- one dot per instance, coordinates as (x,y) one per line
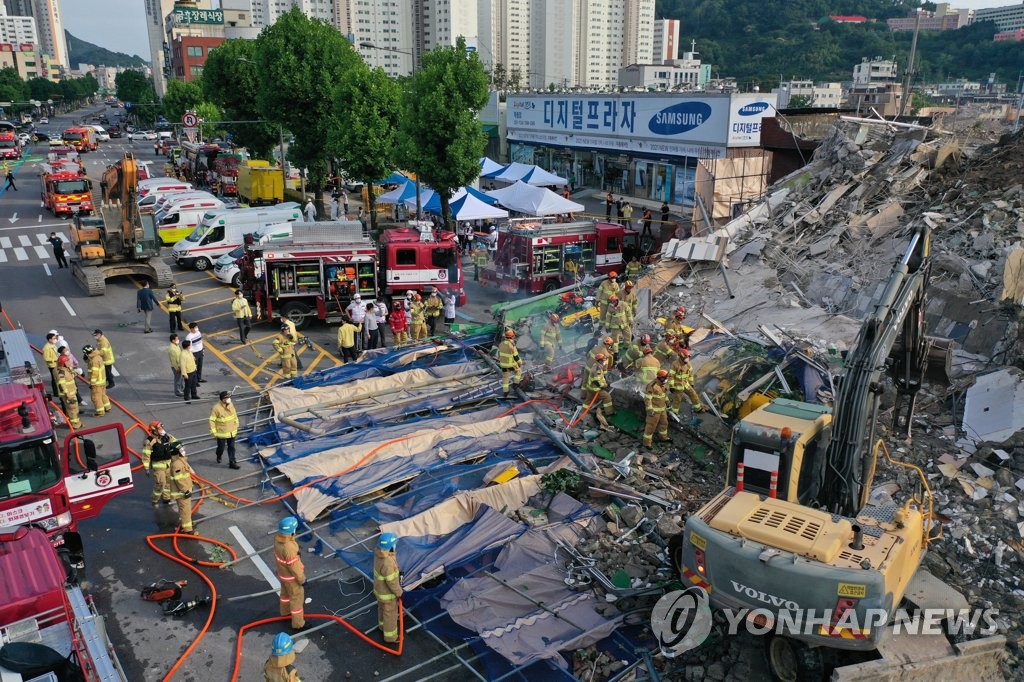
(120,240)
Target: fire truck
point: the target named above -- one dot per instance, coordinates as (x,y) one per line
(81,138)
(65,189)
(10,148)
(536,254)
(42,603)
(45,481)
(316,273)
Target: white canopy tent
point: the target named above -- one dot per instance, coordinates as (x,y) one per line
(468,207)
(513,172)
(535,201)
(539,177)
(489,167)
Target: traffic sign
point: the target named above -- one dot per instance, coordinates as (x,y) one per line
(190,133)
(190,120)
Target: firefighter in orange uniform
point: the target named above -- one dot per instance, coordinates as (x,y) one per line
(386,586)
(291,572)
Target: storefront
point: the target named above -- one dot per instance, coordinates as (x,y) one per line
(637,145)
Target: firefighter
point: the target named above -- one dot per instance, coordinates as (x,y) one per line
(418,316)
(675,325)
(152,438)
(67,390)
(224,427)
(656,402)
(607,349)
(107,352)
(278,667)
(681,382)
(433,307)
(629,301)
(97,381)
(647,367)
(604,293)
(480,260)
(291,572)
(633,268)
(399,324)
(284,344)
(386,586)
(509,361)
(666,349)
(180,474)
(551,338)
(618,323)
(595,390)
(172,301)
(635,351)
(160,464)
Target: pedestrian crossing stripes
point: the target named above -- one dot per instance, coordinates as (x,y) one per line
(21,248)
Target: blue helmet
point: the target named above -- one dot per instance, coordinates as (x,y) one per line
(387,541)
(288,525)
(282,644)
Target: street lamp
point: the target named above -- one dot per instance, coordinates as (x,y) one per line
(371,46)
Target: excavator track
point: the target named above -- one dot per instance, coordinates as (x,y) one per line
(90,277)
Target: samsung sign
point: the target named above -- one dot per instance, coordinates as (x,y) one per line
(651,123)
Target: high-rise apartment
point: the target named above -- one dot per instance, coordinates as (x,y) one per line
(666,40)
(49,27)
(17,30)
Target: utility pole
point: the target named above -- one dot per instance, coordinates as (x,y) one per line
(910,65)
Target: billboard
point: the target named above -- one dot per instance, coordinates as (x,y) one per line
(678,125)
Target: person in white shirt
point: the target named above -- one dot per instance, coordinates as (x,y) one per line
(357,313)
(449,308)
(310,210)
(196,339)
(382,318)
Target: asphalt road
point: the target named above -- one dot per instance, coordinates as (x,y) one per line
(38,296)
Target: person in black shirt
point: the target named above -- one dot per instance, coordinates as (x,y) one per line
(58,249)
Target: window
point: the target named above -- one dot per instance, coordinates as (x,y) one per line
(405,257)
(195,70)
(195,50)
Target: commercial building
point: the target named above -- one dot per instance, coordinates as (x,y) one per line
(1006,18)
(1009,36)
(687,73)
(25,59)
(49,27)
(656,147)
(666,40)
(810,94)
(874,71)
(191,34)
(239,20)
(944,18)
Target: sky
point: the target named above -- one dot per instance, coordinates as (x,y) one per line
(120,25)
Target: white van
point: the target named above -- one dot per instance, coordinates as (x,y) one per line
(221,231)
(101,133)
(152,189)
(177,219)
(226,269)
(165,200)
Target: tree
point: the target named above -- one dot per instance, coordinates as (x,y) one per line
(443,137)
(210,115)
(42,89)
(499,76)
(181,97)
(231,80)
(12,88)
(367,105)
(800,102)
(300,61)
(135,88)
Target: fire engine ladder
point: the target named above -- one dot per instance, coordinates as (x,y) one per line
(556,230)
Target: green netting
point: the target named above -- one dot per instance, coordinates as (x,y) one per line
(628,421)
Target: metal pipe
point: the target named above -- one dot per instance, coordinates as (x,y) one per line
(721,266)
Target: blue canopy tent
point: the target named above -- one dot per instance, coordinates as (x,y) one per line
(395,178)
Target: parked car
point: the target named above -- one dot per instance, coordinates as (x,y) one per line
(142,135)
(40,136)
(24,138)
(44,121)
(101,134)
(114,132)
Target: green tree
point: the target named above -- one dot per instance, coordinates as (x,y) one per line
(210,115)
(231,80)
(300,61)
(800,102)
(42,89)
(12,88)
(367,105)
(443,137)
(181,97)
(136,88)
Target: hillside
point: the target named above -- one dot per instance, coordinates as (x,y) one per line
(83,52)
(761,42)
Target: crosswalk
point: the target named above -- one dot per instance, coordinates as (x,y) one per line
(24,248)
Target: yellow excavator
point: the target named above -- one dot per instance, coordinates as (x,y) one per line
(118,240)
(794,532)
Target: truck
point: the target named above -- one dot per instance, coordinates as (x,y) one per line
(539,254)
(794,530)
(49,608)
(120,240)
(10,147)
(46,481)
(300,278)
(82,138)
(65,190)
(259,183)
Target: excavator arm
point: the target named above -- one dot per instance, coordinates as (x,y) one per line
(899,314)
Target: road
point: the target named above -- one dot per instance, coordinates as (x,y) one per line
(38,296)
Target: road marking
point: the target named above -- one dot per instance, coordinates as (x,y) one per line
(47,268)
(113,370)
(14,218)
(3,256)
(68,306)
(40,218)
(42,237)
(20,254)
(5,242)
(25,227)
(41,252)
(257,560)
(25,241)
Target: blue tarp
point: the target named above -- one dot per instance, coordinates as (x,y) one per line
(395,178)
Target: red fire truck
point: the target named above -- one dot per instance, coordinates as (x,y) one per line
(81,138)
(41,603)
(536,255)
(10,148)
(64,188)
(301,279)
(45,481)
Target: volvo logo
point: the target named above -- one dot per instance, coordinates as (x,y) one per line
(679,118)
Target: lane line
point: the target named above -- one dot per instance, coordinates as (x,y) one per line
(68,306)
(41,252)
(203,305)
(47,268)
(26,227)
(312,365)
(42,238)
(5,242)
(25,241)
(113,370)
(213,317)
(257,560)
(3,256)
(20,254)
